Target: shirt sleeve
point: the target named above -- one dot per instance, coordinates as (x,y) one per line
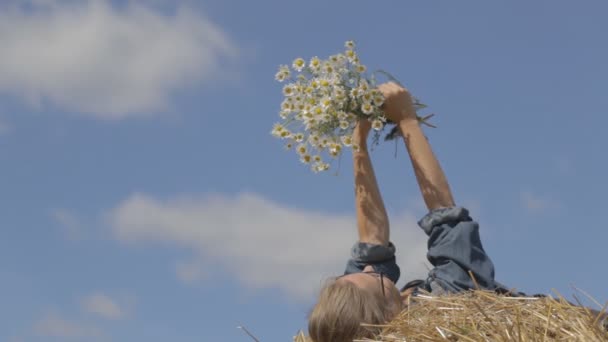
(454,249)
(380,257)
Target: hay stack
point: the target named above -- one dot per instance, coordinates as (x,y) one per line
(485,316)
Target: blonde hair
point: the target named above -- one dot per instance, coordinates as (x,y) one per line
(341,309)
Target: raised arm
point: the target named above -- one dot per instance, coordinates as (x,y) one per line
(372,220)
(433,184)
(454,245)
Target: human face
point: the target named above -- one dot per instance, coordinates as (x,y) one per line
(370,280)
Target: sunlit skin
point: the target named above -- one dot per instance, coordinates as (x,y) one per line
(372,283)
(372,220)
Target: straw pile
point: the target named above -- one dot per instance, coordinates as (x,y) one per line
(485,316)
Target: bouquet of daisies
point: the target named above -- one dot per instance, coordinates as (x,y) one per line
(324,99)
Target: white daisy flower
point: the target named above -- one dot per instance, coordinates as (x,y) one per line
(351,55)
(277,129)
(356,147)
(314,140)
(285,134)
(318,110)
(317,158)
(366,96)
(298,64)
(306,158)
(334,149)
(324,142)
(284,114)
(311,124)
(287,105)
(340,102)
(335,59)
(320,167)
(350,44)
(298,137)
(302,149)
(326,102)
(344,124)
(342,116)
(347,140)
(289,90)
(328,68)
(315,64)
(377,124)
(367,108)
(307,117)
(280,76)
(307,109)
(283,73)
(360,68)
(363,85)
(339,91)
(378,100)
(338,60)
(325,83)
(289,146)
(325,92)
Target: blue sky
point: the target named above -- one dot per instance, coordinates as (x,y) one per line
(142,197)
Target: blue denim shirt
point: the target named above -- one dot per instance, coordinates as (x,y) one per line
(454,249)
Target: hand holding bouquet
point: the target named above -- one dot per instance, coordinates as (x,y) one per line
(324,99)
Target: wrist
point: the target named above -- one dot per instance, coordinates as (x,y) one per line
(359,138)
(408,124)
(361,145)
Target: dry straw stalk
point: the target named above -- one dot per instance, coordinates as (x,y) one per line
(485,316)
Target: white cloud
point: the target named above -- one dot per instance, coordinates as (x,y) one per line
(191,272)
(53,325)
(110,62)
(103,305)
(70,224)
(535,203)
(261,243)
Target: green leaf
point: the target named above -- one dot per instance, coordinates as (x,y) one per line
(390,77)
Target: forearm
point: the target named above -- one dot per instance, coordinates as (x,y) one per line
(372,219)
(431,179)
